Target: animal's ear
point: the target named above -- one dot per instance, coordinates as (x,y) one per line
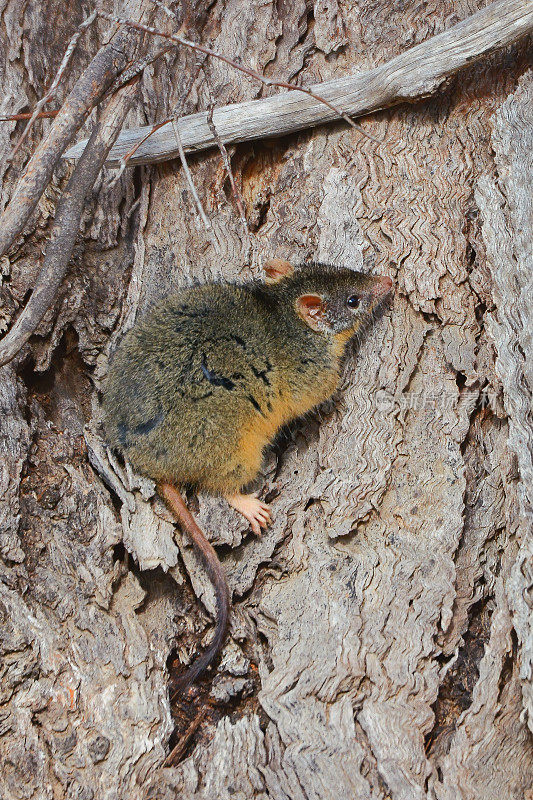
(275,269)
(312,310)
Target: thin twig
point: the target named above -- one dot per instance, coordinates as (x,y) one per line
(29,114)
(184,740)
(124,161)
(67,221)
(165,9)
(52,90)
(139,26)
(136,67)
(190,181)
(134,149)
(225,157)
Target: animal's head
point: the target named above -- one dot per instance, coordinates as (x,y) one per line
(329,299)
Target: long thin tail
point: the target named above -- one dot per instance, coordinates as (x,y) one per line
(210,561)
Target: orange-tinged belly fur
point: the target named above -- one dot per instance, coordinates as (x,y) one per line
(287,406)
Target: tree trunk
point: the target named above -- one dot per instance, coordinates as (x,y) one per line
(381,641)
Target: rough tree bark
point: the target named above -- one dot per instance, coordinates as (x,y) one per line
(381,643)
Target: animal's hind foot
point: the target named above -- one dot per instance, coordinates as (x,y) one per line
(254,510)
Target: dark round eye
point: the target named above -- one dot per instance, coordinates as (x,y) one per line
(353,301)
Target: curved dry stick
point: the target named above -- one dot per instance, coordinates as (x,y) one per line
(87,92)
(67,221)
